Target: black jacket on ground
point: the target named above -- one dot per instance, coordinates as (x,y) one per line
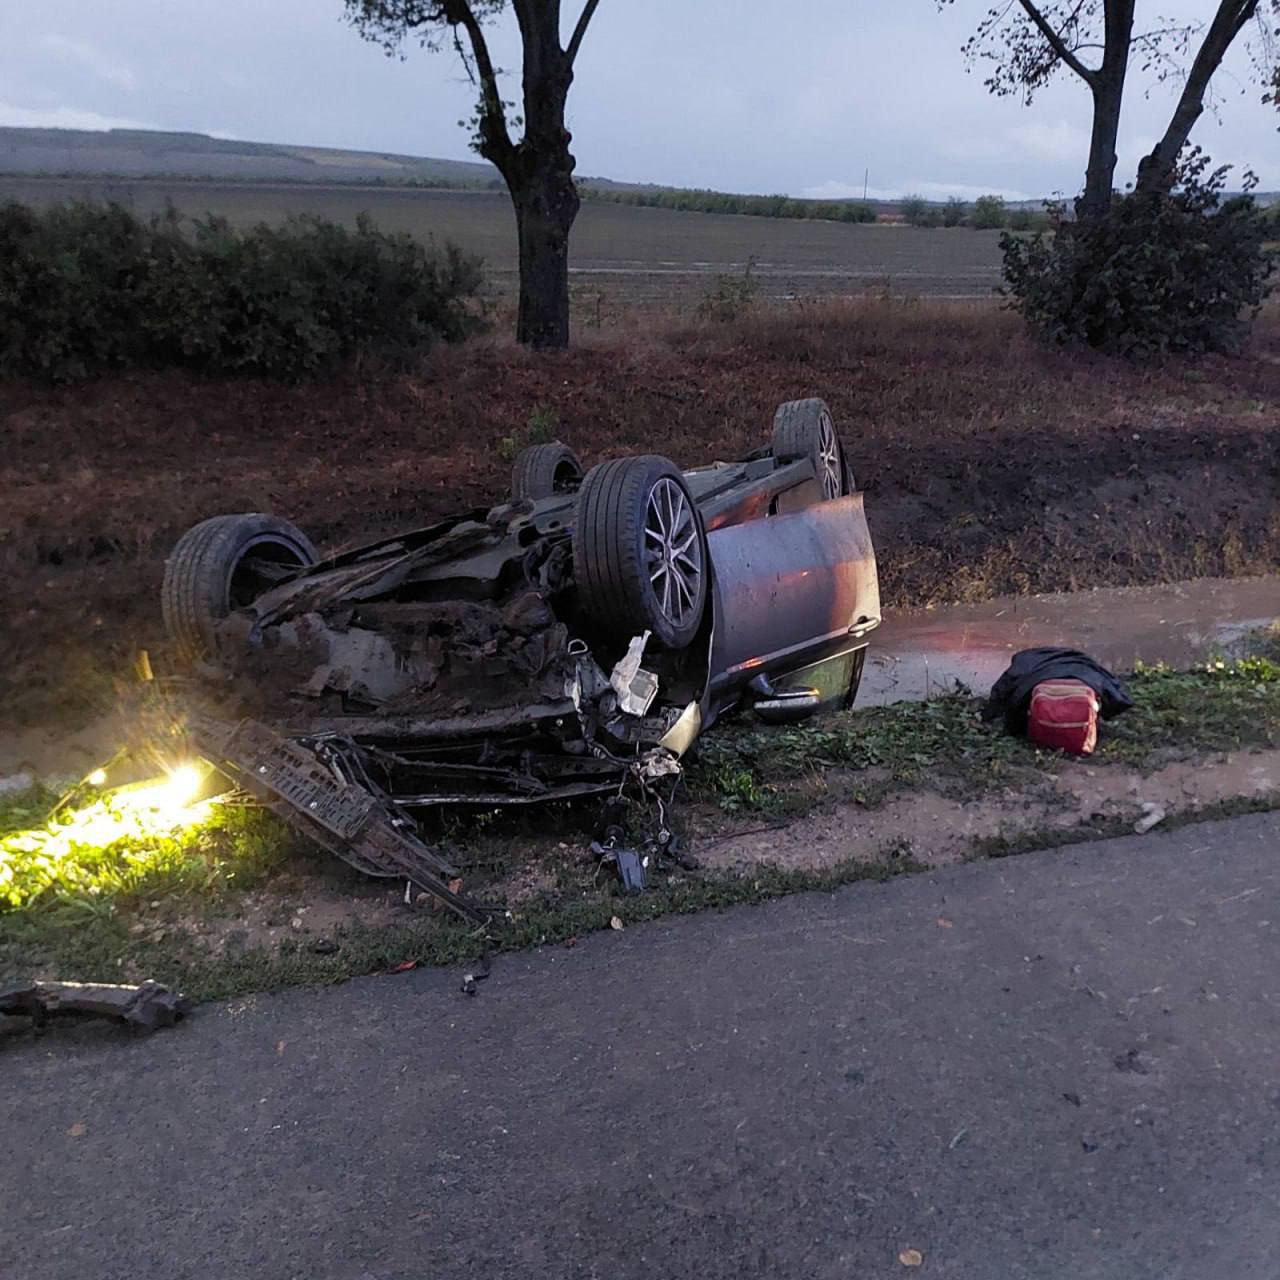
(1011,694)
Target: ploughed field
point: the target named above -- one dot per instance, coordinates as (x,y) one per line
(621,256)
(990,466)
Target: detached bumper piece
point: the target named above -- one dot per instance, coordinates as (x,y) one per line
(148,1006)
(315,788)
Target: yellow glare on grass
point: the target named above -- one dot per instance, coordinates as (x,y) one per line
(161,807)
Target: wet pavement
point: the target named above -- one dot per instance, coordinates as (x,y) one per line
(916,655)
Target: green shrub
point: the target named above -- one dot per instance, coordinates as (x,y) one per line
(989,213)
(954,212)
(1184,271)
(1021,220)
(915,209)
(86,288)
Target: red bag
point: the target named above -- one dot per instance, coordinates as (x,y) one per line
(1064,715)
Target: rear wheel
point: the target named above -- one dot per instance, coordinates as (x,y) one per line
(223,564)
(544,470)
(640,552)
(805,429)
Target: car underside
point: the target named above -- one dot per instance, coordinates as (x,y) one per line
(566,642)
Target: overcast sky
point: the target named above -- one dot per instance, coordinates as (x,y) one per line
(739,95)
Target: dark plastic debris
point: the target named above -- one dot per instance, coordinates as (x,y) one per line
(148,1005)
(631,870)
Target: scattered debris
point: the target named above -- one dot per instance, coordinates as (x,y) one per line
(148,1005)
(324,947)
(469,980)
(1152,815)
(911,1258)
(615,922)
(402,967)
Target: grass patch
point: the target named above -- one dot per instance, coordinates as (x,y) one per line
(105,946)
(98,861)
(1221,706)
(72,906)
(1216,707)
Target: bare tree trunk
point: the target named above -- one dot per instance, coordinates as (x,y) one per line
(1156,171)
(538,170)
(545,210)
(1100,177)
(539,174)
(1107,86)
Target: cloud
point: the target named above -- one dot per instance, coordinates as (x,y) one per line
(82,54)
(1056,143)
(14,117)
(917,187)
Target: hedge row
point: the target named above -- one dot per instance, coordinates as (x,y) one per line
(90,287)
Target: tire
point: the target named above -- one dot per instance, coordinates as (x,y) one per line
(544,470)
(217,566)
(625,509)
(805,429)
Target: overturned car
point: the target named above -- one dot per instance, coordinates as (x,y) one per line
(577,636)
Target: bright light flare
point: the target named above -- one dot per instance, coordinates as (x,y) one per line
(97,778)
(160,807)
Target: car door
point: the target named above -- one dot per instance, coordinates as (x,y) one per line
(790,589)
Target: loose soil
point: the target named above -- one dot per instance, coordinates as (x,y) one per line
(936,829)
(990,466)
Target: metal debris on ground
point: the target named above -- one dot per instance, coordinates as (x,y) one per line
(148,1005)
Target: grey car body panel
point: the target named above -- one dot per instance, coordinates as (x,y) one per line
(790,589)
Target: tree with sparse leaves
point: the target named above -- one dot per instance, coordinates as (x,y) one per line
(537,167)
(1026,42)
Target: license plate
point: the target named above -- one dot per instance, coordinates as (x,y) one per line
(298,778)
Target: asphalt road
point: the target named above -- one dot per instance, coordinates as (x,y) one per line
(1060,1065)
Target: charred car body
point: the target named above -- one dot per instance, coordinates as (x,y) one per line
(582,633)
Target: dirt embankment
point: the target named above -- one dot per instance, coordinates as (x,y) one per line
(989,466)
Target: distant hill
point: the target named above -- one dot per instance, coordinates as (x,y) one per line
(146,153)
(140,153)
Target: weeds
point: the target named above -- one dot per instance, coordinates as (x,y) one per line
(1222,705)
(541,428)
(731,297)
(99,860)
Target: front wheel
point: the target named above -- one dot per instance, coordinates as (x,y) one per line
(640,552)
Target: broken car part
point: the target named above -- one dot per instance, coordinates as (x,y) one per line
(148,1005)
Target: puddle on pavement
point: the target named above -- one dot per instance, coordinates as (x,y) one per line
(915,655)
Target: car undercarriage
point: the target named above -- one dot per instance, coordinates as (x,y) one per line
(569,641)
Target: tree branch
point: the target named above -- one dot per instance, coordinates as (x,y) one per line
(575,40)
(1157,169)
(1056,42)
(493,118)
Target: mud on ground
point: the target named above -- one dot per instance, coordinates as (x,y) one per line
(990,466)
